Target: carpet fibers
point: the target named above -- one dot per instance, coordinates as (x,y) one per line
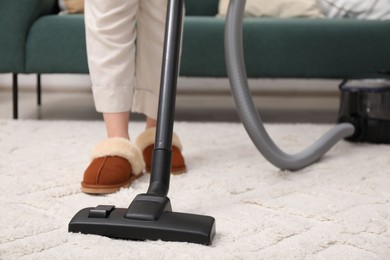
(338,208)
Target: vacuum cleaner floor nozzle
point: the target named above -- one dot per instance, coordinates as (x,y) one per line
(170,226)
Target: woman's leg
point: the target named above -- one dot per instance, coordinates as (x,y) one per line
(111,35)
(110,31)
(150,43)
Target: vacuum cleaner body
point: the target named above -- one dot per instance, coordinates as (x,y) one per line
(366,104)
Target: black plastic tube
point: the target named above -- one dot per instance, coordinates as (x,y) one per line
(162,153)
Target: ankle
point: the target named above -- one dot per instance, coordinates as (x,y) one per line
(117,124)
(150,122)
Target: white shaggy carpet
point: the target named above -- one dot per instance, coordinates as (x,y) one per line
(338,208)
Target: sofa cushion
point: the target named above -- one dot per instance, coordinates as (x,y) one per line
(360,9)
(289,48)
(56,44)
(277,8)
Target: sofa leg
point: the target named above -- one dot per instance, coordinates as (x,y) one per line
(39,90)
(15,95)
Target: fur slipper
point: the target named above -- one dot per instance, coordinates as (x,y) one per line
(145,142)
(116,162)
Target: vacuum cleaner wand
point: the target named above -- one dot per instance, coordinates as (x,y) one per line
(150,216)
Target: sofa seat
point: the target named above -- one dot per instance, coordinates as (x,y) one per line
(290,48)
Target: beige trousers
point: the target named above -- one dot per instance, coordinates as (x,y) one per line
(125,47)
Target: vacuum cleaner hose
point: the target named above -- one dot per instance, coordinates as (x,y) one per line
(247,111)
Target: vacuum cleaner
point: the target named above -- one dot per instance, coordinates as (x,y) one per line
(150,216)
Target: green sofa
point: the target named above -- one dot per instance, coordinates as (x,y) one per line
(35,39)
